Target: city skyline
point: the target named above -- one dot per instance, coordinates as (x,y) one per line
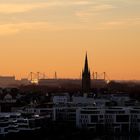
(53,35)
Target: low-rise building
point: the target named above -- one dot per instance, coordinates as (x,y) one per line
(110,119)
(61,99)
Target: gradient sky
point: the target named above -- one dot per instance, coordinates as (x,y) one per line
(53,35)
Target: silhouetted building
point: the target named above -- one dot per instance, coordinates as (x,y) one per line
(86,81)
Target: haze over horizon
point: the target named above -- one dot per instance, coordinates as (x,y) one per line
(54,35)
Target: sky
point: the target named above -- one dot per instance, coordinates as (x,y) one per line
(54,35)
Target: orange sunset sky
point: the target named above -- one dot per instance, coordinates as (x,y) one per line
(54,35)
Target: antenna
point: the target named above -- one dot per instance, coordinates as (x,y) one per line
(31,73)
(55,75)
(38,75)
(32,76)
(96,75)
(93,75)
(104,75)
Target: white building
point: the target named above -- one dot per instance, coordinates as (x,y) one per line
(120,99)
(61,99)
(111,119)
(83,100)
(65,114)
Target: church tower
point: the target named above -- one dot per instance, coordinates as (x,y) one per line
(86,81)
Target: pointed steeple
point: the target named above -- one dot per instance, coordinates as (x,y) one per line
(86,77)
(86,69)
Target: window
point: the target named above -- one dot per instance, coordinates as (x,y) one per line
(122,118)
(94,119)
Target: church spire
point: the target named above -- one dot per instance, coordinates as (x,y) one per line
(86,69)
(86,77)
